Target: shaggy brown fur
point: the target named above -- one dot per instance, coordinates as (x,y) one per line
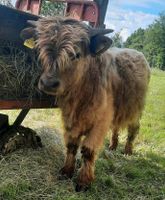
(97,89)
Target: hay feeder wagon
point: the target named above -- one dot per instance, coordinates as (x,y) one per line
(12,21)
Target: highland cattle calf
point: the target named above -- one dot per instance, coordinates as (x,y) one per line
(97,89)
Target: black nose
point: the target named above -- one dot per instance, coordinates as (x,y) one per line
(49,84)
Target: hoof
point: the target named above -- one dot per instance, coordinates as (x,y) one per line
(128,153)
(128,150)
(63,177)
(66,173)
(81,188)
(112,148)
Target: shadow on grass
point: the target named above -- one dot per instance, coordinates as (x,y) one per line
(140,176)
(33,174)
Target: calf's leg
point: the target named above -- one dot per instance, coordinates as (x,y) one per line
(86,175)
(114,141)
(72,145)
(133,131)
(90,147)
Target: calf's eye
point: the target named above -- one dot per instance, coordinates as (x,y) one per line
(78,55)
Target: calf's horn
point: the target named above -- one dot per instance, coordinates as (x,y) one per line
(32,22)
(98,31)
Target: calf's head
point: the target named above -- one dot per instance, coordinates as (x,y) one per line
(63,45)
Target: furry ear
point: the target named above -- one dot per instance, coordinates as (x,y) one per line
(27,33)
(99,44)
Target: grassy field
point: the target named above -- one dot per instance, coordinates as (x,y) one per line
(33,174)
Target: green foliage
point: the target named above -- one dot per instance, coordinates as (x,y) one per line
(136,40)
(51,8)
(6,3)
(117,40)
(151,42)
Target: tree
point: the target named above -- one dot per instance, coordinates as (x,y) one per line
(151,42)
(117,40)
(154,48)
(6,3)
(51,8)
(136,40)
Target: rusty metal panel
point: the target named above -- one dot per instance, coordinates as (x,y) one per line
(25,104)
(31,6)
(91,14)
(83,10)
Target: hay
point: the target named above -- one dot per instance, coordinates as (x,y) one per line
(19,73)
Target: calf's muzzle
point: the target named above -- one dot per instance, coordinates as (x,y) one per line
(47,84)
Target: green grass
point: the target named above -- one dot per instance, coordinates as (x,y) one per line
(33,174)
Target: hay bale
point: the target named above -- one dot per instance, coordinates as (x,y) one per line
(19,73)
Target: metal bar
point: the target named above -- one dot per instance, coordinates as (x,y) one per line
(25,104)
(4,123)
(20,117)
(102,4)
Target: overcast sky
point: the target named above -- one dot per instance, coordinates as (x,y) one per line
(128,15)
